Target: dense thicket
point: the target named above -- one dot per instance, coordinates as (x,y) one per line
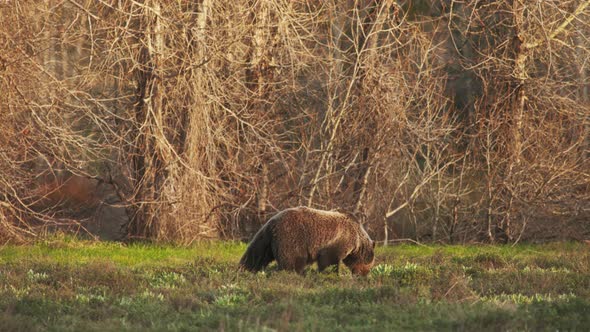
(433,120)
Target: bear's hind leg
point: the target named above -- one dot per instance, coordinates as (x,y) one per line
(296,264)
(328,257)
(300,263)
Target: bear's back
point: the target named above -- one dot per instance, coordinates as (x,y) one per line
(312,228)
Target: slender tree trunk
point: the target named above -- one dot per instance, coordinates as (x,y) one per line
(260,76)
(368,40)
(339,35)
(149,155)
(520,73)
(584,86)
(385,232)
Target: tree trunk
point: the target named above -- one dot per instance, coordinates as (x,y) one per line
(150,154)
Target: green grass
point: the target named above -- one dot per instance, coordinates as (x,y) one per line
(72,285)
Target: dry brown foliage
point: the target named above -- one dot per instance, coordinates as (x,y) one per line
(433,120)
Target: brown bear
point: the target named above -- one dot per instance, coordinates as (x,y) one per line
(300,236)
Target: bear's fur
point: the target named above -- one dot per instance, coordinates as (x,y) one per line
(300,236)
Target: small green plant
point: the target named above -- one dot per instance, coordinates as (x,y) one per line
(382,270)
(230,295)
(527,299)
(91,295)
(18,293)
(91,298)
(33,276)
(167,280)
(409,267)
(551,269)
(411,274)
(148,294)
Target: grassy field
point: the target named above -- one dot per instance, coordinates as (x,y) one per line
(67,284)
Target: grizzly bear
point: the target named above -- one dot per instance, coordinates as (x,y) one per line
(300,236)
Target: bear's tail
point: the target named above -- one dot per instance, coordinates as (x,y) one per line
(259,252)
